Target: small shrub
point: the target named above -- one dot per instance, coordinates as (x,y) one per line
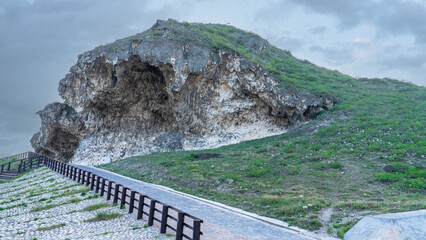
(255,172)
(417,184)
(389,177)
(293,170)
(311,223)
(335,165)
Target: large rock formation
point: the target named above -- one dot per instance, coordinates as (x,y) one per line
(157,92)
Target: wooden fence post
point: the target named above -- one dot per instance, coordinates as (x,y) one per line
(179,226)
(71,172)
(141,206)
(75,174)
(83,176)
(123,196)
(109,190)
(197,229)
(98,182)
(116,188)
(87,178)
(103,187)
(132,201)
(164,216)
(151,212)
(79,176)
(92,183)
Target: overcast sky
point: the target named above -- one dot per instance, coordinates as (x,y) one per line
(40,41)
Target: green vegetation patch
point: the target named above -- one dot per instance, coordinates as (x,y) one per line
(103,216)
(49,206)
(404,175)
(51,227)
(96,206)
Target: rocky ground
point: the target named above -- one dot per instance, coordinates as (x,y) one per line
(44,205)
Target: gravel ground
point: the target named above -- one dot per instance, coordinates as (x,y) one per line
(19,218)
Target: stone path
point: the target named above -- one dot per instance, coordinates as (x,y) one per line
(220,221)
(60,202)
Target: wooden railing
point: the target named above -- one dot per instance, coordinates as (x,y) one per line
(17,156)
(170,219)
(21,162)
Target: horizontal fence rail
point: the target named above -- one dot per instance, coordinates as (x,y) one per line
(170,219)
(17,156)
(21,162)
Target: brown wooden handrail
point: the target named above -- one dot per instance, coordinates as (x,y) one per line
(182,224)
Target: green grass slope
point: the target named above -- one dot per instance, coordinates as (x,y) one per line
(333,163)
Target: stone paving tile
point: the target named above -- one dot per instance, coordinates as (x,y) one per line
(218,223)
(39,188)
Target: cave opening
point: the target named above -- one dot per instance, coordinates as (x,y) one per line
(137,99)
(63,143)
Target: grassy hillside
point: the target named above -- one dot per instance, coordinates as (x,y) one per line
(337,161)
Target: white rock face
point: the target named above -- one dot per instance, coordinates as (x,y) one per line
(393,226)
(166,96)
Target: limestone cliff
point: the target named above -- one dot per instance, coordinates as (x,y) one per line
(172,87)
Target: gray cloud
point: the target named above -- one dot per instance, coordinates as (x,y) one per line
(40,41)
(287,42)
(390,16)
(318,30)
(334,56)
(404,61)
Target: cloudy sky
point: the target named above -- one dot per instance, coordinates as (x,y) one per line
(40,41)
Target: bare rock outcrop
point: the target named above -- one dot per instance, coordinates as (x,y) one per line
(150,93)
(61,131)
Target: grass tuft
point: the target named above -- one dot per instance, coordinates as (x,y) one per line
(96,206)
(103,216)
(51,227)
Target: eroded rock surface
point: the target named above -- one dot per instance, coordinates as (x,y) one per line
(392,226)
(138,96)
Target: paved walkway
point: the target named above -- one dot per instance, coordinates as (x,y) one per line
(219,220)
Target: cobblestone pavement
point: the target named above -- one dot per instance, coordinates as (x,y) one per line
(42,199)
(220,222)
